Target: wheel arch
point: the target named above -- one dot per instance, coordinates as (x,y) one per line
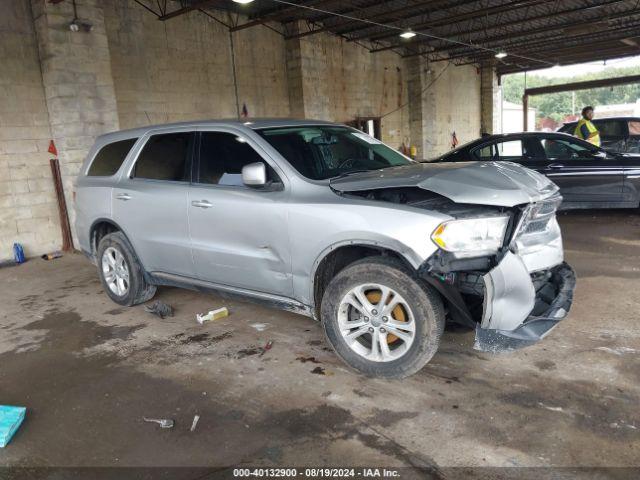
(99,228)
(104,226)
(336,257)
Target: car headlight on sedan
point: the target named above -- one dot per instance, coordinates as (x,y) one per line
(471,237)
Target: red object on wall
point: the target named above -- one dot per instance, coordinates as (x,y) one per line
(52,148)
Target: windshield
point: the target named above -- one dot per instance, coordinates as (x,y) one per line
(321,152)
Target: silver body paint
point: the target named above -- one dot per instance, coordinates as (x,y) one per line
(268,244)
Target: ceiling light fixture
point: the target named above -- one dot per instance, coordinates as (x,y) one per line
(243,2)
(451,41)
(408,34)
(501,54)
(77,25)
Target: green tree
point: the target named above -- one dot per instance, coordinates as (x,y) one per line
(559,105)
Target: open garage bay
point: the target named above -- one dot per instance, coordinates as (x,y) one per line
(89,371)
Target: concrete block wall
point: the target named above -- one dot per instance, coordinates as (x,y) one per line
(421,107)
(456,99)
(261,72)
(133,70)
(182,69)
(340,81)
(491,95)
(77,80)
(28,208)
(447,101)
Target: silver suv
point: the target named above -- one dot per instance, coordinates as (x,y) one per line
(324,220)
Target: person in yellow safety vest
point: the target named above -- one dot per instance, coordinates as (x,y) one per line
(585,129)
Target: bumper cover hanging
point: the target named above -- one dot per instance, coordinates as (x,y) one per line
(534,327)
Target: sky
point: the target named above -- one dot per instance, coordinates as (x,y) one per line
(590,67)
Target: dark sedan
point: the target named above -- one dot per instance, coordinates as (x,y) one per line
(618,134)
(588,176)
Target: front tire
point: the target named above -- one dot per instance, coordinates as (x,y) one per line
(380,319)
(120,271)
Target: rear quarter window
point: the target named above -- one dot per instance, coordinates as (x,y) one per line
(110,158)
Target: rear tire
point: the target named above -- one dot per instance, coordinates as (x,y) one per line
(120,271)
(360,324)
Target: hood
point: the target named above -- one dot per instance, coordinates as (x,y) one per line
(502,184)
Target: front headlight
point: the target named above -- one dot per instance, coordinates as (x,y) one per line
(471,237)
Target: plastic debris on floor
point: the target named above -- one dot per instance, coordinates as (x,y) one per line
(163,422)
(212,315)
(194,423)
(267,347)
(10,420)
(52,255)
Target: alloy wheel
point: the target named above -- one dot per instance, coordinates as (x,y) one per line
(376,322)
(115,271)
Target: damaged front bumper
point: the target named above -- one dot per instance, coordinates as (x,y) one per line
(520,309)
(515,297)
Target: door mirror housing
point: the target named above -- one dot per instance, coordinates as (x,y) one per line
(254,174)
(601,154)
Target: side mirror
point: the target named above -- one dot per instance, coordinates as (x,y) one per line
(601,154)
(254,174)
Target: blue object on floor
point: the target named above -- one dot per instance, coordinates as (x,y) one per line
(10,420)
(18,253)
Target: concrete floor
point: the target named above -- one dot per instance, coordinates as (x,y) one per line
(89,371)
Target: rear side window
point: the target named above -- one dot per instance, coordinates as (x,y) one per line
(511,149)
(110,158)
(165,157)
(485,153)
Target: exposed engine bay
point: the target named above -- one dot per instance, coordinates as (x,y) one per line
(477,289)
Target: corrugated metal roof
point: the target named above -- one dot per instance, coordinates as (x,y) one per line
(534,33)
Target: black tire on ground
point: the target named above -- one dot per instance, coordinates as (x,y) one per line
(424,302)
(139,290)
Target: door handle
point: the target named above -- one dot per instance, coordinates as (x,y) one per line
(123,196)
(202,204)
(555,166)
